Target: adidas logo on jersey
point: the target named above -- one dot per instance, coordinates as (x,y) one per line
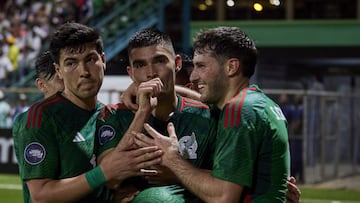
(78,137)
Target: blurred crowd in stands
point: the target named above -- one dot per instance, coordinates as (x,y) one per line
(25,26)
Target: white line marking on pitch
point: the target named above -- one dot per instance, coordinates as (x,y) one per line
(11,186)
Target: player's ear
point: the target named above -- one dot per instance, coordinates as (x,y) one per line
(178,63)
(40,84)
(233,66)
(103,58)
(57,69)
(130,73)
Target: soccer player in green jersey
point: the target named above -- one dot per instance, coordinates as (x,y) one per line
(153,64)
(251,162)
(55,143)
(46,79)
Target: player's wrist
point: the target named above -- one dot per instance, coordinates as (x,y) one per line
(95,177)
(143,111)
(171,159)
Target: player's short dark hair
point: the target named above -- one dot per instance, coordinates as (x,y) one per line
(228,42)
(149,37)
(74,36)
(44,66)
(183,75)
(187,63)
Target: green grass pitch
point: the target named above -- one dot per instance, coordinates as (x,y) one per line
(10,192)
(10,189)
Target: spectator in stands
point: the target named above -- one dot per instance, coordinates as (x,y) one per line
(24,20)
(4,22)
(32,48)
(314,118)
(5,112)
(6,68)
(21,106)
(83,10)
(296,138)
(13,54)
(286,107)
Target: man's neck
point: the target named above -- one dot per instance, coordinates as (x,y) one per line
(234,88)
(87,104)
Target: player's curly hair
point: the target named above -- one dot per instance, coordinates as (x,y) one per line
(228,42)
(73,37)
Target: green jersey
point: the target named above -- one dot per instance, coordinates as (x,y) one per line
(55,140)
(20,120)
(192,121)
(252,146)
(191,118)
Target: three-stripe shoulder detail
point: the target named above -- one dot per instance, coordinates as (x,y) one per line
(192,103)
(234,107)
(36,111)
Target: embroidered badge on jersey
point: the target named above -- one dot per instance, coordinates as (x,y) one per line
(34,153)
(106,133)
(188,146)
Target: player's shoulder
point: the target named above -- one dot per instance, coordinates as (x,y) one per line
(191,107)
(47,103)
(21,116)
(246,97)
(39,110)
(245,104)
(191,103)
(19,122)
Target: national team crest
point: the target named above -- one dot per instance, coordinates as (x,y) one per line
(188,146)
(106,133)
(34,153)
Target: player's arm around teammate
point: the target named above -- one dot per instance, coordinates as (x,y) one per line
(246,146)
(55,146)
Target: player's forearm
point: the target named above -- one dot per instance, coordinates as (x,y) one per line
(64,190)
(136,125)
(186,92)
(141,116)
(198,181)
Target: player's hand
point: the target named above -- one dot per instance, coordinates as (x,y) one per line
(169,145)
(119,164)
(126,143)
(293,192)
(127,97)
(142,140)
(147,94)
